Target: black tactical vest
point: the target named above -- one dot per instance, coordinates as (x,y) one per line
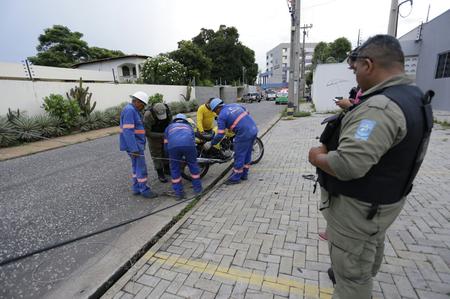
(392,177)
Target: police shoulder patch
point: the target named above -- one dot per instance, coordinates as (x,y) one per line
(365,128)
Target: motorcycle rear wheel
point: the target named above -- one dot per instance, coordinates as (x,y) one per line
(186,174)
(257,151)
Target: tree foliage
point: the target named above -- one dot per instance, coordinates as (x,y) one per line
(194,59)
(163,70)
(228,55)
(59,46)
(336,51)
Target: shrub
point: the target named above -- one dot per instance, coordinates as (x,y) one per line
(64,109)
(156,98)
(8,136)
(193,105)
(49,126)
(27,128)
(176,107)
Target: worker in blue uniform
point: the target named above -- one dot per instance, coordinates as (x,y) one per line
(132,141)
(237,119)
(179,142)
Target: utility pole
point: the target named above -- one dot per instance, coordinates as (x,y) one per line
(294,67)
(303,79)
(393,16)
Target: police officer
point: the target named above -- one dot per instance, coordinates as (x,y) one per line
(179,142)
(367,163)
(237,119)
(132,141)
(156,119)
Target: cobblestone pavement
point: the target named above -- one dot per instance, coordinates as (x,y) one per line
(259,239)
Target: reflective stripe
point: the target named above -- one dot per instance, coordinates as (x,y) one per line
(143,180)
(174,181)
(195,176)
(134,175)
(220,131)
(238,170)
(128,126)
(247,166)
(166,141)
(139,131)
(238,119)
(179,128)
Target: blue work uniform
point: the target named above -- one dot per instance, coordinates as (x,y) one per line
(179,142)
(132,140)
(237,119)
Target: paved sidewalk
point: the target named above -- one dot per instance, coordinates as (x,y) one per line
(259,239)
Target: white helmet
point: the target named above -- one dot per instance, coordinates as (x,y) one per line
(141,96)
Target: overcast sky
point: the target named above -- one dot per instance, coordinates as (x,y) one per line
(150,27)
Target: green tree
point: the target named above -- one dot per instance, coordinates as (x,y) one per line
(321,53)
(60,47)
(194,59)
(163,70)
(228,55)
(340,48)
(95,53)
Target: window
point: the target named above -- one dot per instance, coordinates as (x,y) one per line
(134,71)
(125,71)
(443,66)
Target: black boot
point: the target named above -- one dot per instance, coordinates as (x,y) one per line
(331,275)
(161,176)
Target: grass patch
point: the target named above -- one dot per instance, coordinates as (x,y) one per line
(296,113)
(445,124)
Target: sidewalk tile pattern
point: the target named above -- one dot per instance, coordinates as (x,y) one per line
(259,239)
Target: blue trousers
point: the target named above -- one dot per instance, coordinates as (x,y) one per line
(242,158)
(176,156)
(139,173)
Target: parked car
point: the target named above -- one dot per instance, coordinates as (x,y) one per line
(270,95)
(251,97)
(282,98)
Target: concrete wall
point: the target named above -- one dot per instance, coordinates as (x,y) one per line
(203,94)
(19,71)
(329,81)
(28,95)
(433,44)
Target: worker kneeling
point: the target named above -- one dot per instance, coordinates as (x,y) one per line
(179,143)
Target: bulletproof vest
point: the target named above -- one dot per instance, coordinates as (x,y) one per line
(391,178)
(160,125)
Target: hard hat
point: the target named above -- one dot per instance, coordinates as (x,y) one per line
(180,116)
(141,96)
(160,111)
(215,103)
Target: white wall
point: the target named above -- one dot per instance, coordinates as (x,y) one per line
(28,95)
(18,71)
(329,81)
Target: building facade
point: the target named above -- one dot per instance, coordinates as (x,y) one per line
(276,73)
(124,68)
(427,58)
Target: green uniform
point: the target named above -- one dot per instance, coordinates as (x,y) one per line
(357,244)
(156,140)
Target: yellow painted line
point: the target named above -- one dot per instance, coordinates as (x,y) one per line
(280,284)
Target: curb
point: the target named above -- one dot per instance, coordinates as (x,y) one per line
(125,273)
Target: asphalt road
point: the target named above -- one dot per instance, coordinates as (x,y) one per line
(64,193)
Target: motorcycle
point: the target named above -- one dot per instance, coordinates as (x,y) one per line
(219,155)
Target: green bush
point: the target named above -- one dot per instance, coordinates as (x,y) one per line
(64,109)
(49,126)
(27,128)
(8,136)
(176,107)
(156,98)
(193,105)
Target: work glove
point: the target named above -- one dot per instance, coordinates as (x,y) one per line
(207,146)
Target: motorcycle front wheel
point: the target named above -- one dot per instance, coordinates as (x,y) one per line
(257,151)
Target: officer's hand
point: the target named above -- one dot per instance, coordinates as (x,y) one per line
(207,146)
